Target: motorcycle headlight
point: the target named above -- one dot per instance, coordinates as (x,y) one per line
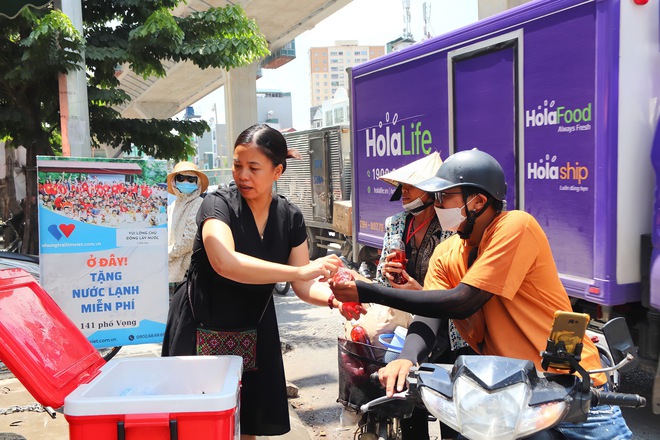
(481,414)
(441,407)
(540,417)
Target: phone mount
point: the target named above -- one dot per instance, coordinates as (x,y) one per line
(556,354)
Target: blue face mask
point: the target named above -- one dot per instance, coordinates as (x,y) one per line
(186,187)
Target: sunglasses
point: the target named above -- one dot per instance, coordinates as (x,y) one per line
(439,195)
(183,178)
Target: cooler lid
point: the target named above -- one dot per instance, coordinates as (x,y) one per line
(39,343)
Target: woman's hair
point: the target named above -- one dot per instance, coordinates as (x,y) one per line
(270,142)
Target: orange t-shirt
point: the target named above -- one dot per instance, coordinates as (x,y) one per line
(514,263)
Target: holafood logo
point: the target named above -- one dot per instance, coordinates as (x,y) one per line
(545,169)
(569,120)
(390,140)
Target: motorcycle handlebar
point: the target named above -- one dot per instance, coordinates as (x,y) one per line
(619,399)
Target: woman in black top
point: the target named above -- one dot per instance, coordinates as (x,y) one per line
(247,240)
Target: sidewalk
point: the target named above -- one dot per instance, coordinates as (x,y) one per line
(40,426)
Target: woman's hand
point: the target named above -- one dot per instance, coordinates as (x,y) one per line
(390,268)
(331,262)
(345,291)
(394,374)
(409,283)
(323,267)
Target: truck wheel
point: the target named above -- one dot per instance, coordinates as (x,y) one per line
(282,288)
(315,251)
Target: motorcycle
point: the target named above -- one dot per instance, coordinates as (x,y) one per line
(493,397)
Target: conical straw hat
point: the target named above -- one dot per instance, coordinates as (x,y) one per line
(415,172)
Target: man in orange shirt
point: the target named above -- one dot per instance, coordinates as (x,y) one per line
(496,278)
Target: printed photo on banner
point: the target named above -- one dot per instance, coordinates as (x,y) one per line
(103,242)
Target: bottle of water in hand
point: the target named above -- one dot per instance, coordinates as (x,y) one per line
(399,249)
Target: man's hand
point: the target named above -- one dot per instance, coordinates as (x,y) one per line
(394,374)
(345,291)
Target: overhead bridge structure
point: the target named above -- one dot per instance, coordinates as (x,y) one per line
(279,20)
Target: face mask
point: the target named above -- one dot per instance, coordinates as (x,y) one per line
(450,218)
(186,187)
(417,203)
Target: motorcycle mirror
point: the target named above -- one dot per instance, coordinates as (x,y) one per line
(620,343)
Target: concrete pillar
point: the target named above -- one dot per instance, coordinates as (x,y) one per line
(74,107)
(492,7)
(240,100)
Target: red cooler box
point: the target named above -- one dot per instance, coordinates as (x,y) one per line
(184,398)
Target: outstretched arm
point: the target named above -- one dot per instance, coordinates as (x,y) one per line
(458,303)
(243,268)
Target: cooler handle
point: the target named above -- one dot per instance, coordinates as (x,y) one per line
(146,420)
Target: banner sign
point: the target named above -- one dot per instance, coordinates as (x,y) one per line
(103,245)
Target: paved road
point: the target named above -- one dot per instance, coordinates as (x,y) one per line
(643,423)
(311,363)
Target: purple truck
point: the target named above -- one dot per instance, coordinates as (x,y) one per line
(566,95)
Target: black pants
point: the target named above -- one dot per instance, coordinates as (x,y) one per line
(416,427)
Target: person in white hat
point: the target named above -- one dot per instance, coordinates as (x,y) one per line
(416,230)
(187,183)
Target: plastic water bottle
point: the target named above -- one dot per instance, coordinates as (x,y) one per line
(399,249)
(343,275)
(358,334)
(363,346)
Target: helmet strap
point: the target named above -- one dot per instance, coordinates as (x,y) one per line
(472,218)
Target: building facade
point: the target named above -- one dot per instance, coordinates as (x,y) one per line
(275,108)
(215,150)
(328,67)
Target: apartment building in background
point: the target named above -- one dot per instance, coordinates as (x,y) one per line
(214,150)
(328,67)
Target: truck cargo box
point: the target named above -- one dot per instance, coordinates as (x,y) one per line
(564,94)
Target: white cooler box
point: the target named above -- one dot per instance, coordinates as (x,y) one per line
(182,398)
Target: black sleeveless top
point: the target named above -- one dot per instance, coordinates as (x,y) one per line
(228,304)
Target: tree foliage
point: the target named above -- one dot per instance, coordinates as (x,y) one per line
(38,45)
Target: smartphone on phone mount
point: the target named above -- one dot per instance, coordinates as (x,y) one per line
(566,335)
